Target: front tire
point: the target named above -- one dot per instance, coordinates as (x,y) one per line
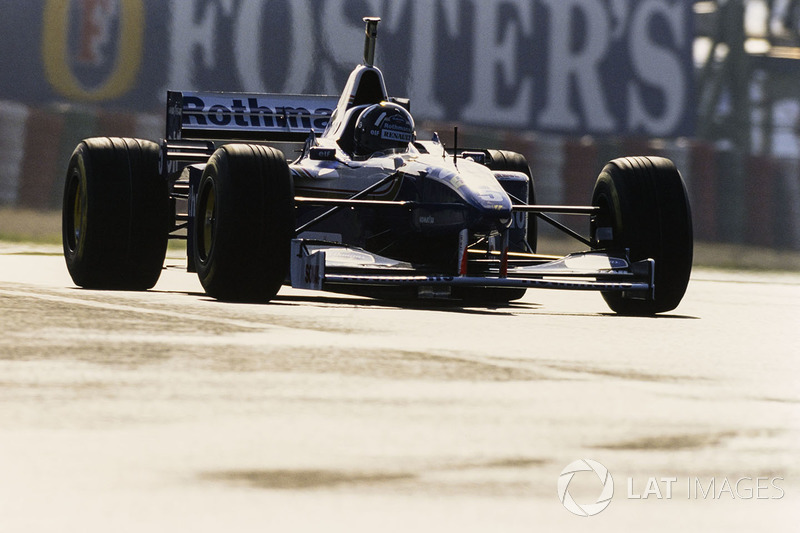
(115,214)
(645,206)
(244,223)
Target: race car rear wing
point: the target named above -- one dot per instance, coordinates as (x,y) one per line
(246,116)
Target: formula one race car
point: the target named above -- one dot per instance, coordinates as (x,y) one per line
(367,208)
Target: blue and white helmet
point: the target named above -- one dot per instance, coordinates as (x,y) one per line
(384,127)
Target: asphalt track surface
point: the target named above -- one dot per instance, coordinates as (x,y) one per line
(168,411)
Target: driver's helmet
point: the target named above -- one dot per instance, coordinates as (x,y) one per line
(384,127)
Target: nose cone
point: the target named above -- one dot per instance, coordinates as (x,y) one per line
(478,186)
(468,184)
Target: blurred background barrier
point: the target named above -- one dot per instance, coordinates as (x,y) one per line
(13,119)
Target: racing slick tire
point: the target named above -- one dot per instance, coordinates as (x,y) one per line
(115,214)
(644,202)
(244,223)
(514,162)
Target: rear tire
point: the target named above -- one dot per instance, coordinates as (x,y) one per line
(244,223)
(115,214)
(644,202)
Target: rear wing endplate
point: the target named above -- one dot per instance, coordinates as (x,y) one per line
(246,116)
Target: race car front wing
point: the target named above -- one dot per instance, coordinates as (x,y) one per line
(320,265)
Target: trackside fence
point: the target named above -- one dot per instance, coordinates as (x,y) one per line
(763,209)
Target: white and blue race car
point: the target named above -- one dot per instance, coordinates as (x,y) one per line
(367,208)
